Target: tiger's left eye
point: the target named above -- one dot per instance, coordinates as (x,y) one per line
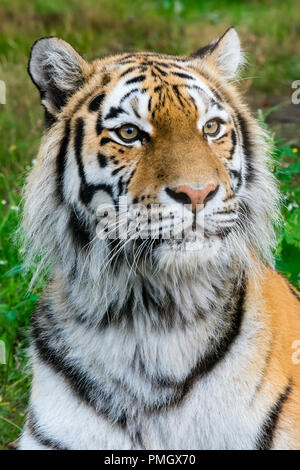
(128,132)
(211,127)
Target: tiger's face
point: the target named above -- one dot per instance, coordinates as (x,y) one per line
(161,138)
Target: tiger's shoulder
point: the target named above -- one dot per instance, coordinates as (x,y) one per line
(279,302)
(282,301)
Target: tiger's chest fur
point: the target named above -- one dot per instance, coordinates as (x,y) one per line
(112,383)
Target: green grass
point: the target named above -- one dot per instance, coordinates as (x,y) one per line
(97,27)
(15,308)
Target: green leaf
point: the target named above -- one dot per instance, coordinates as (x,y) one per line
(287,151)
(15,270)
(288,262)
(290,170)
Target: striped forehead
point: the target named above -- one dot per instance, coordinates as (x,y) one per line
(207,101)
(129,101)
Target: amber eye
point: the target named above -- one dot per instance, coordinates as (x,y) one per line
(128,132)
(211,127)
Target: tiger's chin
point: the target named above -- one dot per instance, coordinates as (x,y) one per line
(188,253)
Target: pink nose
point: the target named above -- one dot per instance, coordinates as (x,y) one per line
(198,196)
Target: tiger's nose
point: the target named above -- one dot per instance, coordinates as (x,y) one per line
(187,195)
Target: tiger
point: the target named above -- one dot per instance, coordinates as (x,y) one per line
(172,330)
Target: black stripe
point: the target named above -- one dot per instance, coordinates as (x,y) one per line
(234,142)
(159,70)
(121,187)
(130,178)
(61,161)
(89,390)
(221,347)
(79,230)
(267,432)
(183,75)
(105,79)
(129,94)
(96,102)
(263,374)
(140,78)
(218,347)
(130,55)
(163,64)
(102,160)
(114,316)
(49,119)
(136,113)
(130,69)
(201,90)
(117,170)
(114,112)
(95,106)
(294,292)
(126,62)
(85,190)
(179,97)
(164,308)
(40,436)
(247,146)
(236,174)
(102,187)
(99,126)
(246,216)
(78,142)
(106,140)
(88,191)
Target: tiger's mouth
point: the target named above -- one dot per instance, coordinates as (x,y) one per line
(141,227)
(168,238)
(190,241)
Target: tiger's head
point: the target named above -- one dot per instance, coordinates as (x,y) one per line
(169,135)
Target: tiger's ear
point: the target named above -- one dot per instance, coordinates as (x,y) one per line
(57,70)
(224,53)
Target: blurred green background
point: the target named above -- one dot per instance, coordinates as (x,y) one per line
(270,32)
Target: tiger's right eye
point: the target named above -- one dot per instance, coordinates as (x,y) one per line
(128,132)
